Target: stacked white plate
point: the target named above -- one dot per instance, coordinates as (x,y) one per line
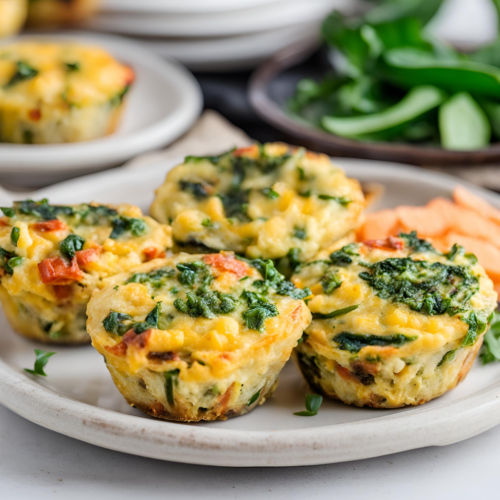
(215,35)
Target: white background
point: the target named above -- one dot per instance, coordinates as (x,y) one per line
(36,463)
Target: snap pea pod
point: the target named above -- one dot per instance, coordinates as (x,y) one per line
(417,102)
(463,124)
(410,67)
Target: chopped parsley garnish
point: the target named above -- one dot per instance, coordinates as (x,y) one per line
(9,212)
(491,347)
(430,288)
(5,258)
(258,311)
(335,314)
(14,235)
(42,358)
(70,245)
(197,189)
(194,274)
(270,193)
(254,398)
(341,200)
(206,223)
(208,304)
(171,379)
(313,404)
(23,72)
(115,322)
(344,256)
(155,278)
(122,224)
(300,233)
(353,342)
(73,66)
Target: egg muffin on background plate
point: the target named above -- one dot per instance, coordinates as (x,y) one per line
(197,337)
(54,93)
(55,13)
(268,201)
(395,322)
(12,16)
(53,257)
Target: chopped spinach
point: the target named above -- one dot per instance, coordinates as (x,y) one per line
(455,250)
(156,278)
(335,314)
(208,304)
(330,282)
(114,323)
(254,398)
(270,193)
(344,256)
(197,189)
(70,245)
(430,288)
(258,311)
(341,200)
(14,235)
(72,66)
(449,356)
(416,244)
(235,204)
(477,325)
(206,223)
(171,379)
(23,72)
(95,215)
(122,224)
(195,274)
(300,233)
(491,347)
(5,258)
(42,209)
(9,212)
(353,342)
(42,358)
(15,261)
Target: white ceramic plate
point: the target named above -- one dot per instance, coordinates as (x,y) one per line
(229,23)
(194,6)
(163,103)
(79,399)
(232,53)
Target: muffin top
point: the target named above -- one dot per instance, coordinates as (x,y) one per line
(60,75)
(58,252)
(204,315)
(396,293)
(265,201)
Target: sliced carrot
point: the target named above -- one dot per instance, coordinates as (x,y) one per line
(466,199)
(379,225)
(422,220)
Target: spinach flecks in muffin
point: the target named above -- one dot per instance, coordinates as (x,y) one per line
(416,244)
(70,245)
(259,309)
(23,72)
(344,256)
(122,224)
(197,189)
(156,278)
(353,342)
(5,258)
(208,304)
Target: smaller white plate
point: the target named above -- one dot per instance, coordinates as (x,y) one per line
(179,6)
(231,53)
(163,103)
(229,23)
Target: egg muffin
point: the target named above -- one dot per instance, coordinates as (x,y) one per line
(197,337)
(12,16)
(54,13)
(268,201)
(395,322)
(59,92)
(53,257)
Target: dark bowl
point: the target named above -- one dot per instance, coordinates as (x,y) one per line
(274,82)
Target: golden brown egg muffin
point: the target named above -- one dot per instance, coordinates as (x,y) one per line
(58,92)
(12,16)
(395,322)
(266,201)
(55,13)
(53,257)
(197,337)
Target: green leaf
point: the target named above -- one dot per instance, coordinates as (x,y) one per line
(258,311)
(313,404)
(344,256)
(354,342)
(9,212)
(416,103)
(342,200)
(114,323)
(72,66)
(491,348)
(15,261)
(206,223)
(335,314)
(122,224)
(42,358)
(23,72)
(270,193)
(254,398)
(14,235)
(207,304)
(449,356)
(70,245)
(463,124)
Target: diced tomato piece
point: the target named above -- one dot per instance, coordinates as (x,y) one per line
(343,372)
(35,114)
(48,226)
(151,253)
(3,222)
(56,271)
(390,243)
(226,263)
(129,76)
(118,349)
(62,291)
(83,257)
(248,151)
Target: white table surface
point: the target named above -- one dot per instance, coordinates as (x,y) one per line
(36,463)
